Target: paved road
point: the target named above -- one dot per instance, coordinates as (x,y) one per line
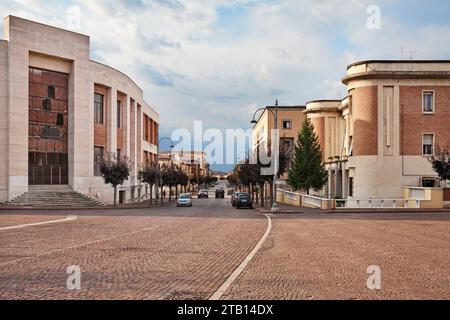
(163,253)
(188,253)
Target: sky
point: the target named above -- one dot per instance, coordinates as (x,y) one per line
(218,61)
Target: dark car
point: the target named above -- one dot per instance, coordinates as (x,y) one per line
(243,200)
(202,194)
(220,193)
(234,196)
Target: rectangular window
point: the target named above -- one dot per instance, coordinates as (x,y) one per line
(428,101)
(119,108)
(98,158)
(119,155)
(350,187)
(98,108)
(287,124)
(60,119)
(47,104)
(428,143)
(51,92)
(429,182)
(287,144)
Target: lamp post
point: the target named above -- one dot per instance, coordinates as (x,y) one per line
(275,153)
(157,161)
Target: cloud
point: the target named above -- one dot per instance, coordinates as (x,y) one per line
(210,60)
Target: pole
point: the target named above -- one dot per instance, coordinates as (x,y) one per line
(275,160)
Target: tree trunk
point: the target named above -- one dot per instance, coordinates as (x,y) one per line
(115,196)
(271,192)
(170,193)
(263,201)
(256,194)
(151,196)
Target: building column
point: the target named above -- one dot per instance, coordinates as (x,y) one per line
(133,145)
(17,115)
(344,180)
(111,121)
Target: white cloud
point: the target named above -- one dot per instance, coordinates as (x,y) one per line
(211,60)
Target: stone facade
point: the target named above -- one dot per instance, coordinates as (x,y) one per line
(32,46)
(385,119)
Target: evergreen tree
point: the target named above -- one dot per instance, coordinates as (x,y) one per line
(307,170)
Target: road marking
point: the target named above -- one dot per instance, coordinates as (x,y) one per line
(77,246)
(68,218)
(236,273)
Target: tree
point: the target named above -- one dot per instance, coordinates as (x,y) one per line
(115,170)
(307,170)
(183,179)
(150,174)
(441,163)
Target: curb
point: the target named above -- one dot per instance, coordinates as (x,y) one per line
(17,208)
(318,211)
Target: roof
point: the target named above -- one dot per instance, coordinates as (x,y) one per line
(395,61)
(279,107)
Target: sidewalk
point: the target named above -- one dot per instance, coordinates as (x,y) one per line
(288,209)
(139,205)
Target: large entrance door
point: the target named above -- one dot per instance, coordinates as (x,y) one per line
(48,127)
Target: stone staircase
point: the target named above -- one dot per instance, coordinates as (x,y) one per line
(53,196)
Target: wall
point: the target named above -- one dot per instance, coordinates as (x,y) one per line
(25,37)
(414,122)
(365,120)
(3,120)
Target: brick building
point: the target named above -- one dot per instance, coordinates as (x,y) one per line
(61,112)
(377,140)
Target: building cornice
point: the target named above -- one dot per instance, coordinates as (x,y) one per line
(369,75)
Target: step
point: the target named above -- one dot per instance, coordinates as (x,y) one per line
(54,195)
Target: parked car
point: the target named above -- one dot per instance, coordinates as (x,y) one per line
(184,200)
(234,196)
(202,194)
(243,200)
(220,193)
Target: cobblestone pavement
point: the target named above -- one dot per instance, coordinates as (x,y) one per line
(327,256)
(187,253)
(162,253)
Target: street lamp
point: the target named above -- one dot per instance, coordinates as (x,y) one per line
(275,158)
(157,160)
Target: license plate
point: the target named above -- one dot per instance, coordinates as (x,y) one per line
(243,200)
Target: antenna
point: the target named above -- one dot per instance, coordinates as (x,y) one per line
(411,53)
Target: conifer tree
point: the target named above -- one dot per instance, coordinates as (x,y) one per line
(307,170)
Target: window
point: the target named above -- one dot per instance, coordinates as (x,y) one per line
(60,119)
(119,155)
(47,104)
(287,124)
(429,182)
(98,108)
(287,144)
(51,92)
(119,107)
(428,101)
(427,142)
(98,158)
(350,186)
(49,132)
